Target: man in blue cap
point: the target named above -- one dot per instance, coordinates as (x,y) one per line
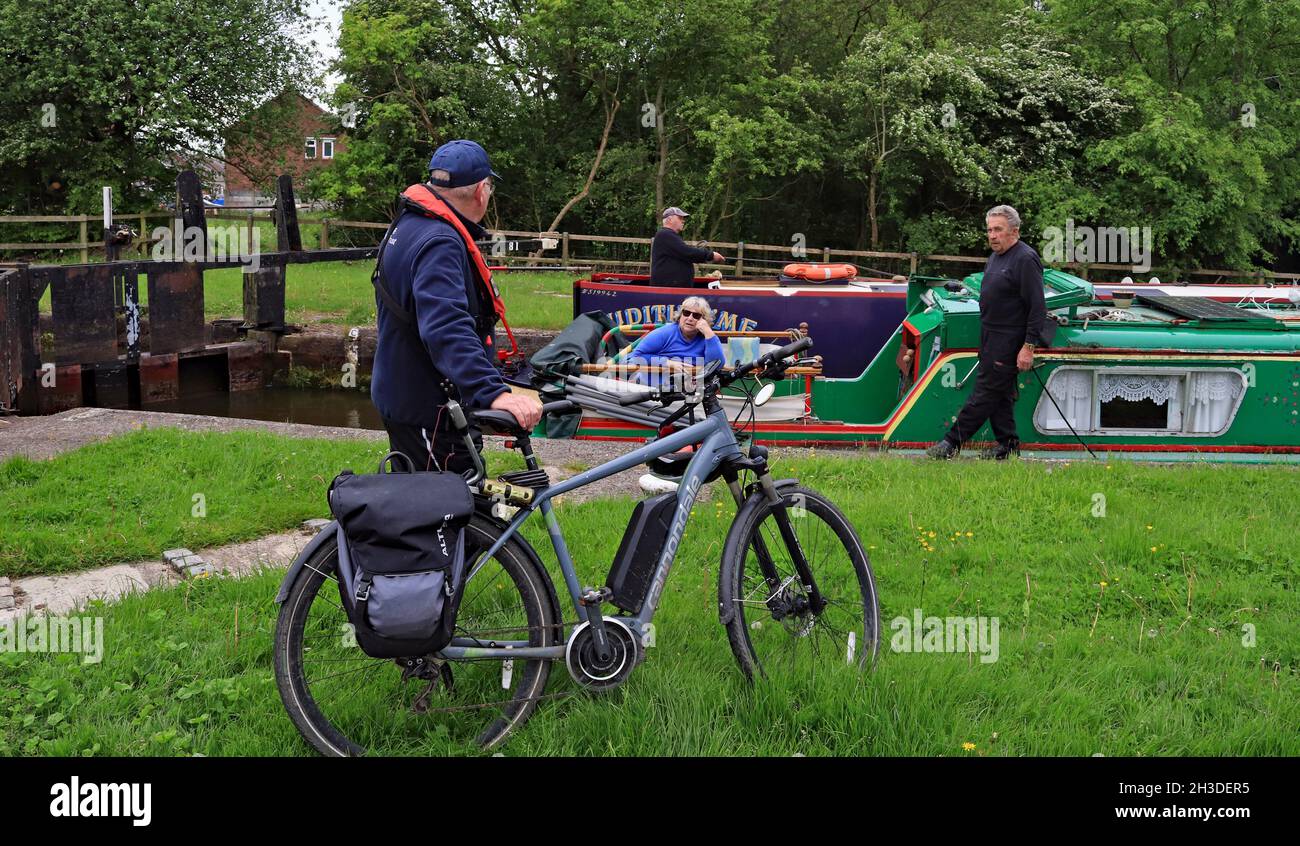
(437,311)
(672,260)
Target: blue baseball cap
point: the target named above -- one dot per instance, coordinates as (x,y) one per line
(465,161)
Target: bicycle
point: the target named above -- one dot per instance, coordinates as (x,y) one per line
(777,599)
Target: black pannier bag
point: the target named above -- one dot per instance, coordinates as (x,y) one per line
(401,539)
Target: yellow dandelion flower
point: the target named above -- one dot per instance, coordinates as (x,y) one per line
(970,534)
(931,534)
(1148,527)
(968,746)
(1153,549)
(1103,584)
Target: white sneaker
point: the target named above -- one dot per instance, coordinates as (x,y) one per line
(652,484)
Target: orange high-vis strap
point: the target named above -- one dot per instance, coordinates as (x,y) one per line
(431,205)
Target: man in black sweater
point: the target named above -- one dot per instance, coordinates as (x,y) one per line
(672,260)
(1013,312)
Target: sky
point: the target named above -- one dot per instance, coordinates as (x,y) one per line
(328,15)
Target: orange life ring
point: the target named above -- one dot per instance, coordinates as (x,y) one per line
(820,272)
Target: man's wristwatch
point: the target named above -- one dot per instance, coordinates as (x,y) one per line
(1029,346)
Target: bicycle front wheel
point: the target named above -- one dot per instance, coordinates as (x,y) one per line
(344,702)
(776,620)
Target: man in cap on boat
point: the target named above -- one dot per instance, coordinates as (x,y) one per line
(1013,312)
(437,309)
(672,260)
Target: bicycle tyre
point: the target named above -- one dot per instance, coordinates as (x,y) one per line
(309,608)
(746,601)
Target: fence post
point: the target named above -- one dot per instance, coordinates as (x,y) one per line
(325,233)
(740,258)
(913,265)
(85,237)
(564,247)
(288,238)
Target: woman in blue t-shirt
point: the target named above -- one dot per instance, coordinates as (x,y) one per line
(689,341)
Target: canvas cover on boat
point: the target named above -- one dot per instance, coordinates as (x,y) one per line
(580,343)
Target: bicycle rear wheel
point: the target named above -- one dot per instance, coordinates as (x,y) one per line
(772,619)
(347,703)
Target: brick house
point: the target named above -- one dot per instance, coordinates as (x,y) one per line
(287,134)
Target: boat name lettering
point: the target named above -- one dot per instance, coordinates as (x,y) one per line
(724,321)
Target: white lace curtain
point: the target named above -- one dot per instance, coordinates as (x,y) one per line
(1135,387)
(1072,390)
(1211,398)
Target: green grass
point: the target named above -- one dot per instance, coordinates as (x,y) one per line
(131,497)
(1152,664)
(340,292)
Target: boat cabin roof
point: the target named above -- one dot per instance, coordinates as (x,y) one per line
(1153,320)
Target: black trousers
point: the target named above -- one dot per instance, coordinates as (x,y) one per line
(995,393)
(442,448)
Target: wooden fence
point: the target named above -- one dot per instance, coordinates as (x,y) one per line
(756,254)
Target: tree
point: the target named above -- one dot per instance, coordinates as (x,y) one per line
(126,94)
(1207,157)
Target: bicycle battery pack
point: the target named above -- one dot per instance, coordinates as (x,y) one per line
(643,542)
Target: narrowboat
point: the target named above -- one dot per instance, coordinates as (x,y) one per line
(1181,372)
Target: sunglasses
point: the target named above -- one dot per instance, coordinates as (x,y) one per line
(686,312)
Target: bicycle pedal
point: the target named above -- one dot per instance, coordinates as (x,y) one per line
(592,596)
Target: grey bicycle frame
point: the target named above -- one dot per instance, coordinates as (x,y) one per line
(719,444)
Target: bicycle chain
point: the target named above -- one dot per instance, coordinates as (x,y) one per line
(538,698)
(558,627)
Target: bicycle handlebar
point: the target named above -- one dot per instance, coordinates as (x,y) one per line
(763,362)
(634,397)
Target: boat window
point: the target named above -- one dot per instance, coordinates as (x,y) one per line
(1140,400)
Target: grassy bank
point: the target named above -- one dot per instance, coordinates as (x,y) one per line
(131,497)
(1143,610)
(340,292)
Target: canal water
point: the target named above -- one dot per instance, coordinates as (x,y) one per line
(315,406)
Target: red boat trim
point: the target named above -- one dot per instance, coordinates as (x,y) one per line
(915,333)
(882,445)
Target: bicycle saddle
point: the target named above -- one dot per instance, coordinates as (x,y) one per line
(497,422)
(504,423)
